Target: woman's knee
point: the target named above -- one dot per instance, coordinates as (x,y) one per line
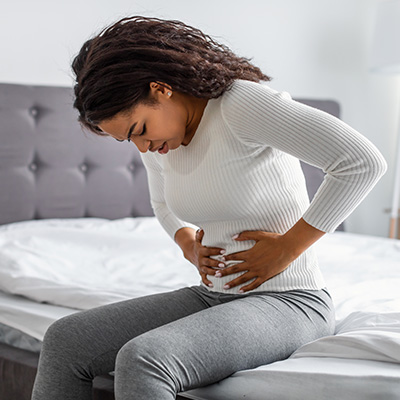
(147,356)
(143,350)
(143,366)
(61,333)
(67,346)
(69,339)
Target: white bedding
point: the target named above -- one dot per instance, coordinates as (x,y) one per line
(77,264)
(310,378)
(84,263)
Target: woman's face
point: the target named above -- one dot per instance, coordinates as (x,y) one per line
(163,127)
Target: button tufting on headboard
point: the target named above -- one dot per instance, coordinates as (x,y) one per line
(33,111)
(32,167)
(52,169)
(83,168)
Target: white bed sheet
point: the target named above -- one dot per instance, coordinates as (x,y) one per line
(362,274)
(309,378)
(29,316)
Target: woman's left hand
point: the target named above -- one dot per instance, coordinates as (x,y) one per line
(271,255)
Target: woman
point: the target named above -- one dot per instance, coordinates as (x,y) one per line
(221,151)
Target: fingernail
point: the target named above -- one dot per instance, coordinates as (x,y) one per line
(223,251)
(218,274)
(226,287)
(241,291)
(210,285)
(221,265)
(235,236)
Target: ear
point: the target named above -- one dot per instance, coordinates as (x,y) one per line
(160,88)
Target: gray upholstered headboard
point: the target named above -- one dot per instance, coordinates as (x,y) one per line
(49,168)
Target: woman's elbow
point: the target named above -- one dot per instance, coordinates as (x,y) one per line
(378,165)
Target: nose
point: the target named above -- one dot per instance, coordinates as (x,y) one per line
(143,146)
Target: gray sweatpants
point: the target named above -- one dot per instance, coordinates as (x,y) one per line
(167,343)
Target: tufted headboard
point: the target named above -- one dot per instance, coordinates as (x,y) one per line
(50,168)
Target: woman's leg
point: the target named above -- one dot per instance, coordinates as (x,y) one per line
(81,346)
(208,346)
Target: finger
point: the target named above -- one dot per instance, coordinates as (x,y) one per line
(253,285)
(240,255)
(248,235)
(210,262)
(206,281)
(213,251)
(234,269)
(245,278)
(199,235)
(208,271)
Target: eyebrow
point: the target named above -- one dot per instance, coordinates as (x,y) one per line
(129,133)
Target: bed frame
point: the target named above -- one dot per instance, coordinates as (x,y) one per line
(49,168)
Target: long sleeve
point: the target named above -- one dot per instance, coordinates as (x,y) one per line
(259,116)
(167,219)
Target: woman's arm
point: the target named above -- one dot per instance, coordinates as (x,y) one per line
(155,179)
(300,237)
(186,238)
(185,234)
(259,116)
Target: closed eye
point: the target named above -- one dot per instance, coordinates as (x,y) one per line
(144,130)
(130,133)
(140,134)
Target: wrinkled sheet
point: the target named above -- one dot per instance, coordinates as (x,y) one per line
(85,263)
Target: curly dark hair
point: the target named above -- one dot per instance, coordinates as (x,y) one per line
(114,69)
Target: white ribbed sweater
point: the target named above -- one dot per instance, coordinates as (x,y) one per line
(241,172)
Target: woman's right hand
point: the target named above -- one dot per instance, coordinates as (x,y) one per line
(201,258)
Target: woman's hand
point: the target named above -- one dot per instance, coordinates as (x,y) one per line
(201,258)
(270,255)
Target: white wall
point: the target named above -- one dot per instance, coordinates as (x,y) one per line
(312,48)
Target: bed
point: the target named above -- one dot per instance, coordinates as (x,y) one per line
(72,204)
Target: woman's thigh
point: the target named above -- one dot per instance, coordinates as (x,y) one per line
(102,331)
(212,344)
(83,345)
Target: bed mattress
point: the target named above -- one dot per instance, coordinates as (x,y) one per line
(309,378)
